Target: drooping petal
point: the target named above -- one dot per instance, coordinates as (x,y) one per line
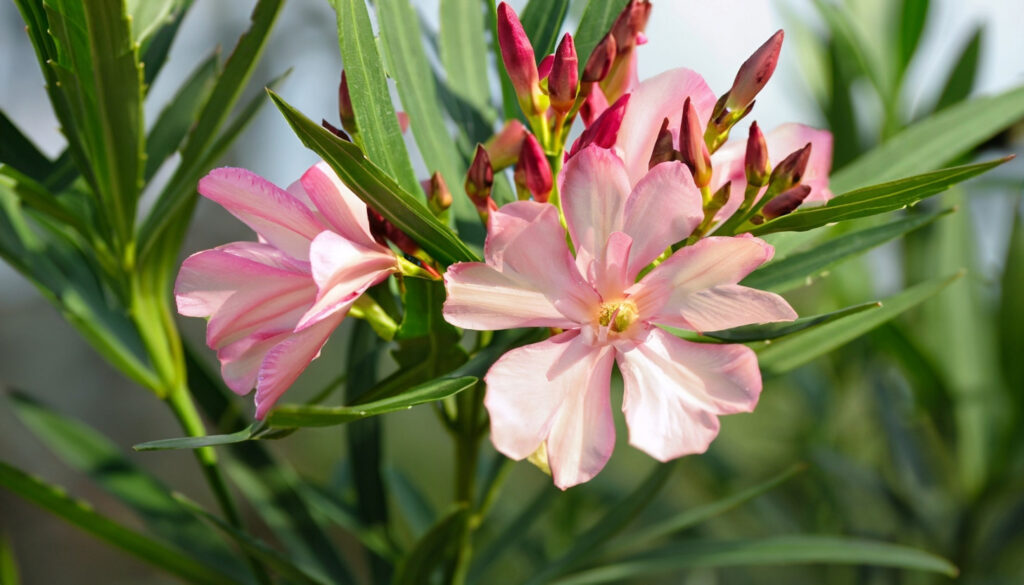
(277,216)
(343,270)
(527,244)
(555,391)
(674,390)
(345,212)
(696,287)
(594,190)
(652,101)
(480,297)
(664,208)
(240,361)
(283,364)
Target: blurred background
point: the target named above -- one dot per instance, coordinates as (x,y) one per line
(881,423)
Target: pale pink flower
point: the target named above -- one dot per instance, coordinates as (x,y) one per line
(556,393)
(272,304)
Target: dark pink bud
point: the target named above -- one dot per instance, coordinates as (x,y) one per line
(593,105)
(755,73)
(562,83)
(533,172)
(600,60)
(544,67)
(438,195)
(756,163)
(345,111)
(790,171)
(381,229)
(664,151)
(503,148)
(517,54)
(692,147)
(630,24)
(605,130)
(784,203)
(335,130)
(480,177)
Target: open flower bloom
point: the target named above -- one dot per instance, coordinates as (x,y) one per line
(663,97)
(556,393)
(272,304)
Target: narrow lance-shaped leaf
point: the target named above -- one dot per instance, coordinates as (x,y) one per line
(961,77)
(771,331)
(597,20)
(913,16)
(784,355)
(463,52)
(18,151)
(542,21)
(82,516)
(377,189)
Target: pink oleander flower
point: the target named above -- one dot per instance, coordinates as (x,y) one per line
(272,304)
(556,393)
(665,95)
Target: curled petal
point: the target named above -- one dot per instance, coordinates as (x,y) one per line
(674,390)
(555,391)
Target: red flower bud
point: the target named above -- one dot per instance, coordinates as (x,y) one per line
(604,131)
(562,82)
(600,60)
(382,230)
(785,202)
(439,197)
(544,67)
(520,62)
(533,172)
(630,24)
(479,181)
(790,171)
(754,73)
(756,163)
(503,148)
(664,151)
(692,147)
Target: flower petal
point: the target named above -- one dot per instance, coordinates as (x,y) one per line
(526,243)
(674,389)
(240,361)
(652,101)
(594,190)
(343,270)
(696,288)
(339,205)
(288,359)
(480,297)
(276,215)
(555,391)
(664,208)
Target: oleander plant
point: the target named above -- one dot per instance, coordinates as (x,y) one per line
(556,260)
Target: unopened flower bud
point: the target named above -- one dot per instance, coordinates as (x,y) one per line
(600,60)
(719,199)
(544,67)
(533,172)
(345,111)
(479,181)
(754,73)
(626,31)
(503,148)
(562,82)
(604,131)
(790,171)
(439,197)
(520,62)
(784,203)
(664,151)
(756,163)
(381,229)
(631,23)
(691,144)
(335,130)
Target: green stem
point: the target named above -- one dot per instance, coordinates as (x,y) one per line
(467,450)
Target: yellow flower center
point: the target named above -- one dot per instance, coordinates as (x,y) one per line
(619,315)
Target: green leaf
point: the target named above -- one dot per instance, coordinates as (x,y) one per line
(463,51)
(328,504)
(852,40)
(39,198)
(800,268)
(771,331)
(175,202)
(8,563)
(257,548)
(876,199)
(85,450)
(934,141)
(82,516)
(913,15)
(433,548)
(377,189)
(158,45)
(371,100)
(786,354)
(18,151)
(98,70)
(961,77)
(177,118)
(147,16)
(296,415)
(619,516)
(542,21)
(414,78)
(597,20)
(782,550)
